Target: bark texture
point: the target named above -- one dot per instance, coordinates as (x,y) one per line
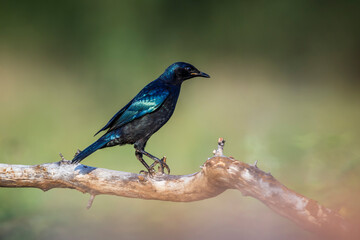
(218,174)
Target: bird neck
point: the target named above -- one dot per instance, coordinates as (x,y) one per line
(170,78)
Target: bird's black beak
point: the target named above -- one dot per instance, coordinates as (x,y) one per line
(200,74)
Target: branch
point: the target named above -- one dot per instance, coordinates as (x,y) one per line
(218,174)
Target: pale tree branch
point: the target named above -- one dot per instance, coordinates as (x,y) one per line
(218,174)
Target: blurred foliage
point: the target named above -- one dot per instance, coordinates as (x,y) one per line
(284,91)
(117,34)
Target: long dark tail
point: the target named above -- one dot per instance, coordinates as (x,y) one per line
(101,142)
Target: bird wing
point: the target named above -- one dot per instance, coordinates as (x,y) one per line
(145,102)
(116,116)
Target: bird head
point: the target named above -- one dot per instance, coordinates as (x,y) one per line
(180,71)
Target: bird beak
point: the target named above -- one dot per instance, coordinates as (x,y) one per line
(200,74)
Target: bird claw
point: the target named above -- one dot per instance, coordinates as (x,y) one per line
(150,168)
(149,172)
(163,165)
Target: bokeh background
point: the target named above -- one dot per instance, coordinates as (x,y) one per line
(284,91)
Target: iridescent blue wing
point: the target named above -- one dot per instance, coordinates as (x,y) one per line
(113,119)
(147,101)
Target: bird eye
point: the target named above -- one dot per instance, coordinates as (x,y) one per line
(188,69)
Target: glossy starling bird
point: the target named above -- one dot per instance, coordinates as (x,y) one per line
(145,114)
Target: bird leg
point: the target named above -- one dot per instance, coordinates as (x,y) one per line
(157,160)
(139,155)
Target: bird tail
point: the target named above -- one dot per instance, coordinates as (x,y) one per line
(101,142)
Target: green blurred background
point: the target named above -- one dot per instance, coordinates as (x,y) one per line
(284,91)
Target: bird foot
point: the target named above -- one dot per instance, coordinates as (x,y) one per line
(150,168)
(143,172)
(163,165)
(149,172)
